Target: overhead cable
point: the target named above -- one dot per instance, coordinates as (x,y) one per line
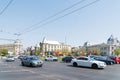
(62,16)
(6,7)
(54,15)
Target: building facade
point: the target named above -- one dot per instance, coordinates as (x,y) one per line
(106,49)
(54,46)
(16,47)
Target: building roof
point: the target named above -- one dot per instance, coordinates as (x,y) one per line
(49,42)
(111,38)
(52,42)
(86,44)
(113,41)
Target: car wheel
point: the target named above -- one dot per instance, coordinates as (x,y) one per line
(66,61)
(110,63)
(31,65)
(40,65)
(22,63)
(75,64)
(94,66)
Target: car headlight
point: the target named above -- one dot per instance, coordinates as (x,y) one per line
(101,64)
(34,62)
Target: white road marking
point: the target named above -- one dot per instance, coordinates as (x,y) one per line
(22,70)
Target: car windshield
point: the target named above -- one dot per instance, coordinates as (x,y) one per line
(34,58)
(92,59)
(10,56)
(100,58)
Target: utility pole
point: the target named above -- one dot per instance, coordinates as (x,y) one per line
(18,35)
(17,41)
(65,40)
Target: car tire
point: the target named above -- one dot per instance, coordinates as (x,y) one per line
(31,65)
(55,60)
(94,66)
(22,63)
(110,63)
(40,65)
(66,61)
(75,64)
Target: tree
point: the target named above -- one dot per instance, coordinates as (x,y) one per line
(3,52)
(95,51)
(117,52)
(38,51)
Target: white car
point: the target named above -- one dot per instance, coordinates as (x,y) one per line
(51,58)
(10,58)
(88,62)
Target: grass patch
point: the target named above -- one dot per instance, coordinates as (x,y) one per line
(42,58)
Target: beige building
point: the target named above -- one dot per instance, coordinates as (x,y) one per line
(105,48)
(16,47)
(54,46)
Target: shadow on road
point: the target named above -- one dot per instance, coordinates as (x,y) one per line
(84,67)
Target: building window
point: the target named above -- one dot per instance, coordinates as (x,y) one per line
(112,48)
(105,48)
(101,48)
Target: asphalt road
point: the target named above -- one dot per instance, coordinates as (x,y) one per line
(56,71)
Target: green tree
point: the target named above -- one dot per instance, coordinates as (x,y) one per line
(65,51)
(38,51)
(95,51)
(3,52)
(117,52)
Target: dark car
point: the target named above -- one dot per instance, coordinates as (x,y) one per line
(32,61)
(107,60)
(67,59)
(115,58)
(21,57)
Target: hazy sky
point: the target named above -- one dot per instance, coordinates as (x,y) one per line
(94,23)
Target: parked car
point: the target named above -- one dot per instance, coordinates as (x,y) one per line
(10,58)
(21,57)
(115,58)
(92,56)
(88,62)
(107,60)
(32,61)
(67,59)
(51,58)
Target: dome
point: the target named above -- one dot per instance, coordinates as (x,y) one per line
(110,38)
(87,44)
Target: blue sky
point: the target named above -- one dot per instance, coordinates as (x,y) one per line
(94,23)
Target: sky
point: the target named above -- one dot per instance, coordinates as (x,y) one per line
(94,23)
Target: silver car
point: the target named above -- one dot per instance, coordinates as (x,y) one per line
(10,58)
(32,61)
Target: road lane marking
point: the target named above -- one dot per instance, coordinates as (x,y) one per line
(22,70)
